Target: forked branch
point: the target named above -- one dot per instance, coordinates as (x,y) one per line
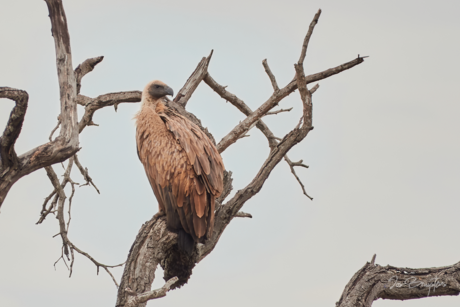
(66,144)
(68,247)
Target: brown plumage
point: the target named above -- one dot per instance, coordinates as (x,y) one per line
(182,164)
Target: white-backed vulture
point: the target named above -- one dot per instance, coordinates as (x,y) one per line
(182,164)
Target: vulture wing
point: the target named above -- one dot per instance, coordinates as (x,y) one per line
(184,168)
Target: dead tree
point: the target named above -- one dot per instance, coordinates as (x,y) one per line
(155,245)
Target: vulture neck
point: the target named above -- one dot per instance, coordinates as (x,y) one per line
(148,100)
(157,104)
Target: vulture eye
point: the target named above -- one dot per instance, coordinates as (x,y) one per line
(157,86)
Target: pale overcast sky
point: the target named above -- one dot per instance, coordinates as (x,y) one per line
(384,156)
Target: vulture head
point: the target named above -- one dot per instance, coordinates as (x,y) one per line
(156,90)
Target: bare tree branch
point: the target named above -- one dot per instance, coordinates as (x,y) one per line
(278,111)
(291,166)
(305,95)
(55,128)
(226,212)
(83,100)
(67,246)
(84,68)
(243,214)
(273,101)
(44,213)
(66,145)
(308,36)
(85,174)
(373,281)
(272,140)
(270,75)
(153,244)
(240,105)
(193,81)
(136,299)
(111,99)
(13,128)
(66,76)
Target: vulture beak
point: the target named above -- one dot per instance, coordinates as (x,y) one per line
(169,91)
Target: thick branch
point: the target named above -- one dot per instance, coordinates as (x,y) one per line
(193,81)
(152,245)
(13,128)
(66,76)
(111,99)
(374,281)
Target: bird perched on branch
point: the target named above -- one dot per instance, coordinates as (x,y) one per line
(182,164)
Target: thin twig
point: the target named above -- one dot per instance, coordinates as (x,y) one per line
(243,214)
(84,172)
(270,75)
(307,37)
(55,128)
(70,205)
(278,111)
(45,211)
(291,166)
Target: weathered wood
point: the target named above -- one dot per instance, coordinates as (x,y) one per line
(64,146)
(84,68)
(372,282)
(106,100)
(150,248)
(66,76)
(193,81)
(13,128)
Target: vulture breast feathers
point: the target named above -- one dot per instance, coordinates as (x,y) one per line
(182,164)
